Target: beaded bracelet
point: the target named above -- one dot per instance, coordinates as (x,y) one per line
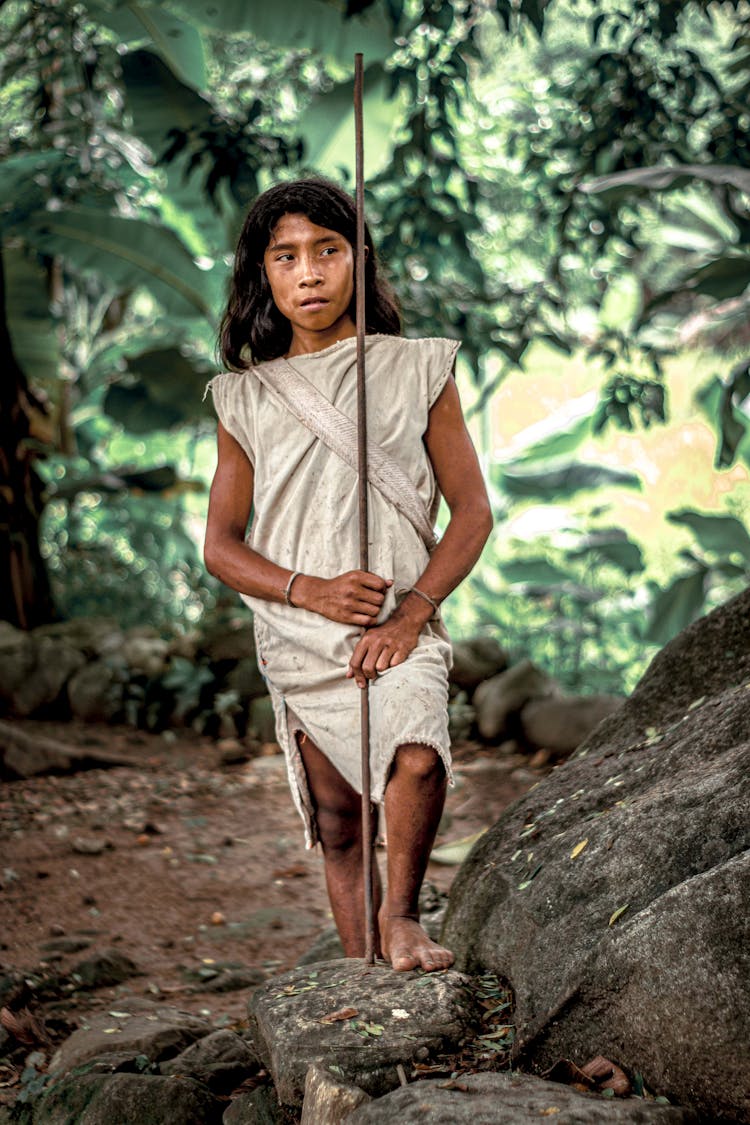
(288,591)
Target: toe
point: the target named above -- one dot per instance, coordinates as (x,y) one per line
(403,961)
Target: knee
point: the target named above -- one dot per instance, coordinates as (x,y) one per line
(421,763)
(339,827)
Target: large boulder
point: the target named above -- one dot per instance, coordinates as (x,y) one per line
(614,896)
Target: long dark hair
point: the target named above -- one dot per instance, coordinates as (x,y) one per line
(251,321)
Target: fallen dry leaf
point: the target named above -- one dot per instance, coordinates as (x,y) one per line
(342,1014)
(578,848)
(24,1026)
(608,1076)
(566,1072)
(296,871)
(618,913)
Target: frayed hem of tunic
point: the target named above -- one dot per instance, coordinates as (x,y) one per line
(378,791)
(298,775)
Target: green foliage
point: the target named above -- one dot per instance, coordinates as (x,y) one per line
(126,550)
(719,564)
(569,602)
(725,402)
(562,481)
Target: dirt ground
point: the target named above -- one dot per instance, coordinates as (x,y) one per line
(200,863)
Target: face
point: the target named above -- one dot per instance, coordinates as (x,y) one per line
(311,273)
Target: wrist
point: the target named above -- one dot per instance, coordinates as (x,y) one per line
(415,610)
(301,592)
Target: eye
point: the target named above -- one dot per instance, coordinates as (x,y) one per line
(330,250)
(284,258)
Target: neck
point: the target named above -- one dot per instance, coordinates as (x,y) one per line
(304,342)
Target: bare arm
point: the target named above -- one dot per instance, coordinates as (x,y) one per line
(353,598)
(460,480)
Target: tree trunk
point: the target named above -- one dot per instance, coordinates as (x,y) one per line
(25,596)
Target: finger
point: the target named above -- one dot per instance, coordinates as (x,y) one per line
(359,653)
(359,618)
(384,660)
(374,581)
(371,604)
(368,665)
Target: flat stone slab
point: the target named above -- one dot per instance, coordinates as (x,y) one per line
(130,1027)
(479,1099)
(358,1021)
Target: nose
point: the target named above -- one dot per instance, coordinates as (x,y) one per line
(309,270)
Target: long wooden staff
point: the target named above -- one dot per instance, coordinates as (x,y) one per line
(364,555)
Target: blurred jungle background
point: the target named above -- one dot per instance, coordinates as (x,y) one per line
(563,186)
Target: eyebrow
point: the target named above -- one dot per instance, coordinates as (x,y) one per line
(318,242)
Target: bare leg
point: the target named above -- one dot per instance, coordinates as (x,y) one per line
(414,799)
(338,810)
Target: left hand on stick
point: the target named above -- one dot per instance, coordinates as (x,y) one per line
(382,646)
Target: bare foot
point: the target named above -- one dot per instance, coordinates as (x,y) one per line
(407,946)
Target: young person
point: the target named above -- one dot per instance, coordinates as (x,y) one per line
(323,627)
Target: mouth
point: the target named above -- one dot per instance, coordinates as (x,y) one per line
(312,303)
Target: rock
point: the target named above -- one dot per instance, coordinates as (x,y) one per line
(233,980)
(93,636)
(16,659)
(140,1028)
(561,725)
(498,699)
(54,663)
(476,659)
(221,1060)
(95,692)
(232,751)
(461,717)
(26,753)
(104,969)
(25,756)
(143,650)
(328,1100)
(505,1096)
(259,1107)
(395,1014)
(326,947)
(102,1099)
(90,845)
(614,895)
(66,945)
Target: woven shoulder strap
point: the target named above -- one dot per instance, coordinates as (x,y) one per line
(339,433)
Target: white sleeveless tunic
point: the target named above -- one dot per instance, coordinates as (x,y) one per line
(305,517)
